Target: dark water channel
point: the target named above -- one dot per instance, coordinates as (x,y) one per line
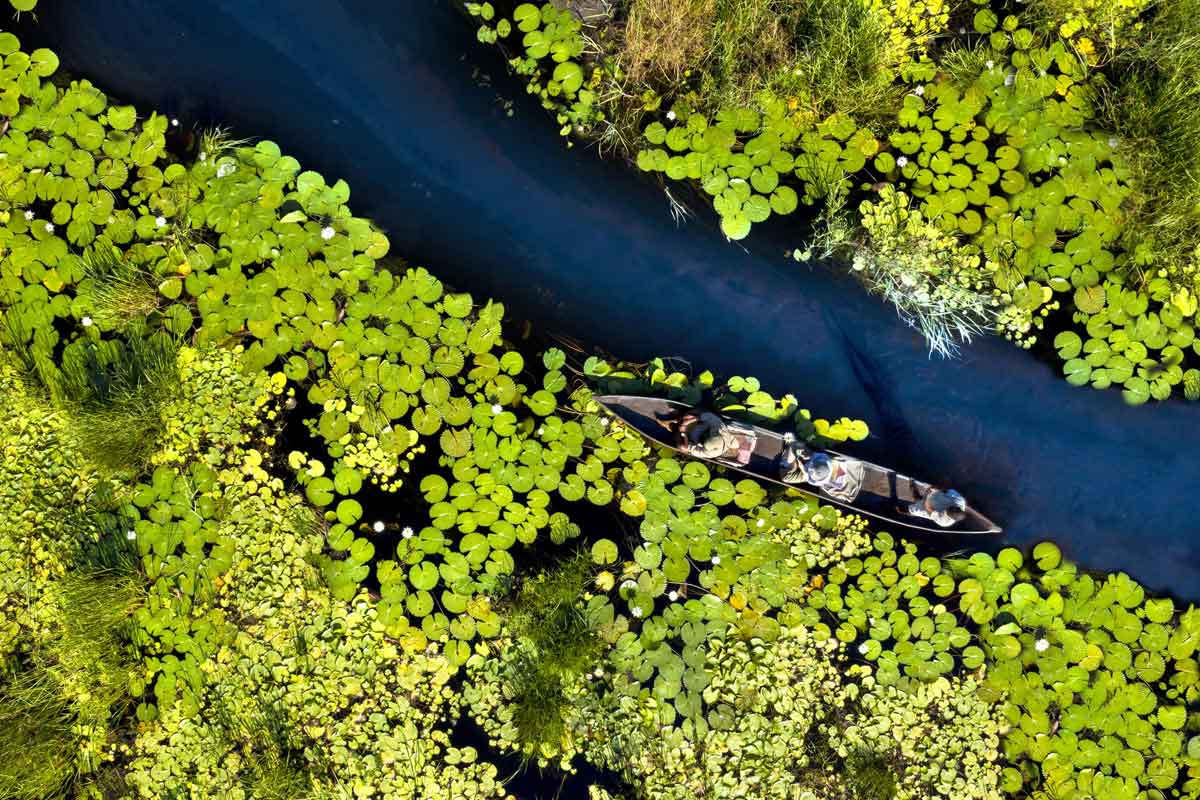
(383,94)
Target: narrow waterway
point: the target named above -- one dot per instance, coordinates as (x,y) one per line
(389,97)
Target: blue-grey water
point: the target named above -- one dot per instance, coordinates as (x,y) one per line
(383,95)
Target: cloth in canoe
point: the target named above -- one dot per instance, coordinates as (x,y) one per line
(840,478)
(712,437)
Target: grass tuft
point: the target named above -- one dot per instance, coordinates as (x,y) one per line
(1153,105)
(54,699)
(113,392)
(555,642)
(829,54)
(119,292)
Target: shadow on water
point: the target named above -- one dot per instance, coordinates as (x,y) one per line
(383,95)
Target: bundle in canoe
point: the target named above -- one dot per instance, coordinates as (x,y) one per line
(761,453)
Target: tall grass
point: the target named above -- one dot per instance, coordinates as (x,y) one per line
(1151,100)
(273,769)
(37,747)
(113,391)
(554,641)
(118,292)
(829,54)
(76,682)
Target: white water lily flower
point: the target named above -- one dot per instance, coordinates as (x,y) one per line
(598,672)
(497,408)
(378,526)
(673,595)
(902,161)
(86,322)
(407,533)
(1041,645)
(671,115)
(226,168)
(629,584)
(327,232)
(920,90)
(636,611)
(716,559)
(862,648)
(160,222)
(49,227)
(130,535)
(541,430)
(29,214)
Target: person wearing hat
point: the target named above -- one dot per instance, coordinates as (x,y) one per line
(943,506)
(839,478)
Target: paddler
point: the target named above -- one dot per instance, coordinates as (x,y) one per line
(943,506)
(706,435)
(839,478)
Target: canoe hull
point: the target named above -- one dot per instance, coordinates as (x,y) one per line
(882,491)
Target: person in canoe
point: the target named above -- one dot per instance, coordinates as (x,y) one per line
(840,478)
(704,434)
(943,506)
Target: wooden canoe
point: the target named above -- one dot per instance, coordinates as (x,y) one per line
(883,490)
